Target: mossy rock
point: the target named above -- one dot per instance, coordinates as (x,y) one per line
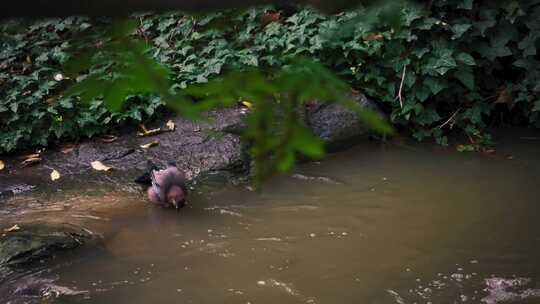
(32,242)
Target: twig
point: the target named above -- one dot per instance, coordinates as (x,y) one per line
(399,96)
(470,138)
(450,119)
(141,31)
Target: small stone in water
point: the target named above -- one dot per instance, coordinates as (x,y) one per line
(312,235)
(179,290)
(474,262)
(261,283)
(344,233)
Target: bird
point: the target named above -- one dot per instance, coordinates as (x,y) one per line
(168,186)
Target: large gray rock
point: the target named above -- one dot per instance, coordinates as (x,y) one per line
(197,148)
(194,146)
(336,125)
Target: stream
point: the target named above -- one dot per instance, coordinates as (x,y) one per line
(395,223)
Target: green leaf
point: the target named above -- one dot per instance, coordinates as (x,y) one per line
(536,107)
(465,4)
(465,58)
(528,44)
(460,29)
(442,61)
(466,77)
(114,96)
(307,143)
(435,84)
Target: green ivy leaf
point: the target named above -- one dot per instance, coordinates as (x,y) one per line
(460,29)
(435,84)
(465,59)
(466,77)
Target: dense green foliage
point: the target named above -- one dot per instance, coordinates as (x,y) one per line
(464,64)
(32,108)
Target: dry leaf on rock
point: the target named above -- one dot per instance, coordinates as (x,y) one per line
(31,161)
(12,228)
(108,138)
(170,124)
(67,148)
(35,155)
(150,132)
(55,175)
(146,132)
(150,144)
(99,166)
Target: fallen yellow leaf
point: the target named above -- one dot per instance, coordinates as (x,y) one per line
(2,165)
(150,132)
(171,125)
(31,161)
(12,228)
(109,138)
(143,127)
(247,104)
(55,175)
(67,148)
(150,144)
(35,155)
(99,166)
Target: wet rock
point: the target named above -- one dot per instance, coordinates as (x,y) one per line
(32,242)
(194,146)
(14,189)
(30,288)
(337,126)
(503,290)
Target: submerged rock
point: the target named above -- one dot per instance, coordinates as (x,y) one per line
(32,242)
(30,288)
(14,189)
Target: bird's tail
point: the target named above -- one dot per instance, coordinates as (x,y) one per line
(146,178)
(151,166)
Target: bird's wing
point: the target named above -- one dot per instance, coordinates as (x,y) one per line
(177,177)
(157,177)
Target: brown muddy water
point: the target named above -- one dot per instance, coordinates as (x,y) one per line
(397,223)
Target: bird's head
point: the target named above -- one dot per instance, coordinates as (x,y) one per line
(176,197)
